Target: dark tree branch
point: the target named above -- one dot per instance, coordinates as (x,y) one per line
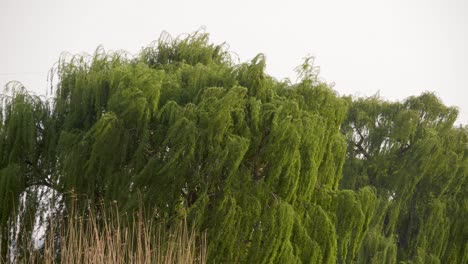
(358,144)
(38,178)
(403,149)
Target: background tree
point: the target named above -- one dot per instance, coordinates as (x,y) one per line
(411,153)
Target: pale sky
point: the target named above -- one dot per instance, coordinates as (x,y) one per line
(399,48)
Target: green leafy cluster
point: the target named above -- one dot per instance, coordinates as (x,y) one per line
(417,161)
(273,171)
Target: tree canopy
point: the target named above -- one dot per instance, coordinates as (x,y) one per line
(273,171)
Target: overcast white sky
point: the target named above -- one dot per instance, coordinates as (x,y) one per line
(397,47)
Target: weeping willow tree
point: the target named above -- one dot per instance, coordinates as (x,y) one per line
(411,153)
(255,162)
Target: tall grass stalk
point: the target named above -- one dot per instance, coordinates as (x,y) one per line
(106,238)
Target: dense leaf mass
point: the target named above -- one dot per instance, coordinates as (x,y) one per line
(274,171)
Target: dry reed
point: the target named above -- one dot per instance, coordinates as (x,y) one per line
(106,238)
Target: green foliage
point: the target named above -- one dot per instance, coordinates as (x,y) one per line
(275,172)
(417,160)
